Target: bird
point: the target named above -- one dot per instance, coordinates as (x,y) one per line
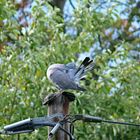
(68,76)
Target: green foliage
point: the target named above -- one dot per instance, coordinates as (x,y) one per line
(28,51)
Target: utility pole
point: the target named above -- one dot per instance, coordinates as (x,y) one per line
(59,103)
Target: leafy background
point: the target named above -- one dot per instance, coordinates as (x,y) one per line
(35,34)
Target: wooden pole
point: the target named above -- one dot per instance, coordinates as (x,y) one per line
(59,103)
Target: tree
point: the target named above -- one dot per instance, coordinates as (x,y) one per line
(97,29)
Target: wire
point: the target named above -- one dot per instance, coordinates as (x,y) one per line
(70,135)
(123,123)
(89,118)
(59,125)
(72,5)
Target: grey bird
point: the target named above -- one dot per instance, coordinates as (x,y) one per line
(68,76)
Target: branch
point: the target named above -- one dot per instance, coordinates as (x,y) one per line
(99,39)
(72,5)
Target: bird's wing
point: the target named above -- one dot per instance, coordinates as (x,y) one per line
(63,80)
(71,65)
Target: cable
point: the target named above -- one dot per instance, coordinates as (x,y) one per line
(70,135)
(59,126)
(123,123)
(88,118)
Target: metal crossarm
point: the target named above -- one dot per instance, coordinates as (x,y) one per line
(23,126)
(29,125)
(89,118)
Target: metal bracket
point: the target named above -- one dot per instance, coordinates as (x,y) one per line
(29,125)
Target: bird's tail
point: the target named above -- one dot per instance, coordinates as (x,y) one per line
(85,66)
